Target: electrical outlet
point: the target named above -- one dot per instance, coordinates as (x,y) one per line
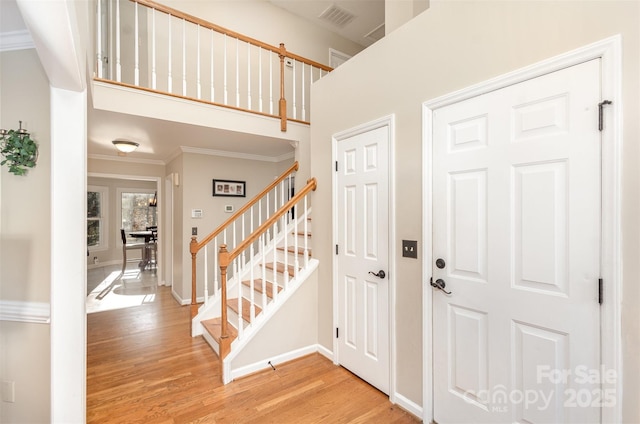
(194,231)
(410,249)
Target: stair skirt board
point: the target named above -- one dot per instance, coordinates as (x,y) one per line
(238,345)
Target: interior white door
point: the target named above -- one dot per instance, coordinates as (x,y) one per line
(363,228)
(516,222)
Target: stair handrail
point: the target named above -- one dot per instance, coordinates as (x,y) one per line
(226,257)
(195,246)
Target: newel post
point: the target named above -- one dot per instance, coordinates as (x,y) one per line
(193,248)
(283,101)
(223,260)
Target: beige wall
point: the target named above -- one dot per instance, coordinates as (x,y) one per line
(25,239)
(453,45)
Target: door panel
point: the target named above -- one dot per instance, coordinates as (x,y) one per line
(362,214)
(516,217)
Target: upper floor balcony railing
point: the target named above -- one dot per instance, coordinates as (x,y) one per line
(143,44)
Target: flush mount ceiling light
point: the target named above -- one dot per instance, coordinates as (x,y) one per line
(125,146)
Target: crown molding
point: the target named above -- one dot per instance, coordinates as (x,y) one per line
(235,155)
(127,159)
(16,40)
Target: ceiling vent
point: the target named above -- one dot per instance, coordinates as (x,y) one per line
(376,34)
(337,16)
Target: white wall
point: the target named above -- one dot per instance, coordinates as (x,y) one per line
(25,239)
(453,45)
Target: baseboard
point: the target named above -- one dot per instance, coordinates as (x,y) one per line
(325,352)
(408,405)
(279,359)
(178,298)
(103,264)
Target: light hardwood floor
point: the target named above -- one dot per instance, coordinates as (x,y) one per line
(143,367)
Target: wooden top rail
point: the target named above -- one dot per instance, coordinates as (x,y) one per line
(311,186)
(206,24)
(195,247)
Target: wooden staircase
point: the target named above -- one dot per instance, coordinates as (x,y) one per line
(213,327)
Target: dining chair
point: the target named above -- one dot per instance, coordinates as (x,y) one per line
(152,248)
(131,246)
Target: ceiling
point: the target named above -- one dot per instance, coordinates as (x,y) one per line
(160,140)
(361,21)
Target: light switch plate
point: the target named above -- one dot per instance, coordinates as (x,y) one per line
(410,249)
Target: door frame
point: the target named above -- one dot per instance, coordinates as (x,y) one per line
(385,121)
(608,51)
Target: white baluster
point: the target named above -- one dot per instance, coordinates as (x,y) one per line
(99,30)
(306,232)
(286,250)
(216,283)
(296,262)
(295,116)
(244,258)
(184,58)
(153,50)
(303,90)
(237,73)
(271,84)
(225,70)
(206,276)
(275,262)
(239,284)
(169,75)
(213,97)
(263,248)
(118,65)
(252,309)
(136,47)
(260,79)
(249,76)
(198,84)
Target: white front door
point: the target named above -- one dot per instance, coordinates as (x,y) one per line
(516,225)
(363,228)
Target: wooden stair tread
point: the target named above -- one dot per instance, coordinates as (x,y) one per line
(257,286)
(302,233)
(246,305)
(291,249)
(280,268)
(214,327)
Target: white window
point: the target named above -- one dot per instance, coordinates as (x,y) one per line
(97,213)
(136,210)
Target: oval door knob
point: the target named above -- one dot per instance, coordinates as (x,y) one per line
(379,274)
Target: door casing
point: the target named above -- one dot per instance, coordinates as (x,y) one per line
(609,51)
(388,121)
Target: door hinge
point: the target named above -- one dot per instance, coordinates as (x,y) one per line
(336,166)
(600,291)
(336,249)
(601,106)
(337,332)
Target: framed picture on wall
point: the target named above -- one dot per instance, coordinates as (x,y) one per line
(229,188)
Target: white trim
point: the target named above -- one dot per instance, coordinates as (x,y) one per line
(337,55)
(16,40)
(236,155)
(408,405)
(609,51)
(275,360)
(126,159)
(20,311)
(385,121)
(325,352)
